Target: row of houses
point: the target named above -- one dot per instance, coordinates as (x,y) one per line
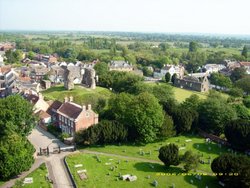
(67,115)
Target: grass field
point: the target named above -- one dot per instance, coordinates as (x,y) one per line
(182,94)
(39,178)
(206,151)
(80,94)
(105,173)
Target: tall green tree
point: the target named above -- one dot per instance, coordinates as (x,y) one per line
(167,77)
(169,155)
(237,74)
(233,170)
(214,113)
(244,84)
(237,133)
(193,46)
(16,155)
(191,160)
(245,52)
(16,115)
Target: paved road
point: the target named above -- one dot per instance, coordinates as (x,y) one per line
(54,162)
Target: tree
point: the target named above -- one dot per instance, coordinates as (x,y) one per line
(141,114)
(241,111)
(144,117)
(183,119)
(214,113)
(13,56)
(163,92)
(227,165)
(167,77)
(246,101)
(101,69)
(235,92)
(238,73)
(173,77)
(112,132)
(193,46)
(220,80)
(169,155)
(191,160)
(167,129)
(18,117)
(244,84)
(16,155)
(244,52)
(237,133)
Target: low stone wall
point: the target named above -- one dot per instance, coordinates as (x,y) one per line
(70,175)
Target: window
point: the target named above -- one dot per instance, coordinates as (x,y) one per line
(87,114)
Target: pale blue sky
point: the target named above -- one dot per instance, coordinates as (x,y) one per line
(196,16)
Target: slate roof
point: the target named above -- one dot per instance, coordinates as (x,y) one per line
(70,109)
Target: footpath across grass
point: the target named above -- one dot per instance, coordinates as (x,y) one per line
(104,172)
(206,151)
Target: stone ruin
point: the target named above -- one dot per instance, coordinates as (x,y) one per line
(89,78)
(74,74)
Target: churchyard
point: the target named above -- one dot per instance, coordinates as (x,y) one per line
(100,171)
(37,178)
(206,150)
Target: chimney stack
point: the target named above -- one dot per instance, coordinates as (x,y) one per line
(66,99)
(83,107)
(89,106)
(71,99)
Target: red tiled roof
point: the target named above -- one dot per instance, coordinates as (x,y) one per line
(70,110)
(245,63)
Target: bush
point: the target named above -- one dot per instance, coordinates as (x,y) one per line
(56,131)
(169,155)
(246,101)
(229,163)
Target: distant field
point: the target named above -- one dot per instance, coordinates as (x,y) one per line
(101,175)
(80,94)
(197,145)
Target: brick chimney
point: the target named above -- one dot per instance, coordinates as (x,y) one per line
(84,107)
(66,99)
(89,106)
(71,99)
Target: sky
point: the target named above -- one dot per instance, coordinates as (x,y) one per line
(168,16)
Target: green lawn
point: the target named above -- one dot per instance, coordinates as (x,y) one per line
(101,175)
(80,94)
(197,144)
(182,94)
(39,178)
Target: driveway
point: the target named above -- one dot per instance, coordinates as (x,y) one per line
(43,139)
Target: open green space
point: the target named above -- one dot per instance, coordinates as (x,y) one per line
(206,151)
(182,94)
(104,171)
(39,178)
(80,94)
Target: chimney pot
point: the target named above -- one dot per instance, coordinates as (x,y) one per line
(71,99)
(89,106)
(66,99)
(83,107)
